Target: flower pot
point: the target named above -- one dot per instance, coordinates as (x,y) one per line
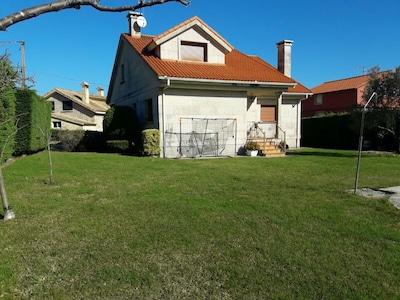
(252,152)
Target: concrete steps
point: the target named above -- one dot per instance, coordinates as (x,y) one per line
(268,147)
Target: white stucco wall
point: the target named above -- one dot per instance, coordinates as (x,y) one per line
(178,104)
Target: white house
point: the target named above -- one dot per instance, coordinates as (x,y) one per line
(73,110)
(201,93)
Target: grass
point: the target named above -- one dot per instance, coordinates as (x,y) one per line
(117,227)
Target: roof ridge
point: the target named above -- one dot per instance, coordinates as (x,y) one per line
(353,77)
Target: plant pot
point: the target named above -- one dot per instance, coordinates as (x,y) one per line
(252,152)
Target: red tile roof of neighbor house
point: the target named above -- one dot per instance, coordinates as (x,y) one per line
(341,84)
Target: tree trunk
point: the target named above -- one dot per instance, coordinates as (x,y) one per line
(8,214)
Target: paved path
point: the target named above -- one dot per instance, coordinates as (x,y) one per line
(392,192)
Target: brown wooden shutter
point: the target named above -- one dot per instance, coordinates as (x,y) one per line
(268,113)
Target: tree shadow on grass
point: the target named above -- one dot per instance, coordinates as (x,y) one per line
(325,152)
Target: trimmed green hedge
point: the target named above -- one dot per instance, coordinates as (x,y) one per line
(121,123)
(7,123)
(342,131)
(33,116)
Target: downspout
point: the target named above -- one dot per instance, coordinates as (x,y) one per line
(278,117)
(298,141)
(168,81)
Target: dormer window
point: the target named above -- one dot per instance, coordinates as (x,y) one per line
(191,51)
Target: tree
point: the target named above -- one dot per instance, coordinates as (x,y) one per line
(386,108)
(58,5)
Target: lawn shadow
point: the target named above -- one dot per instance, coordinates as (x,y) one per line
(324,152)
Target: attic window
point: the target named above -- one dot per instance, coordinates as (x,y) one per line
(67,105)
(191,51)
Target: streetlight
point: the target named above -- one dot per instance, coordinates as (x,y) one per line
(360,142)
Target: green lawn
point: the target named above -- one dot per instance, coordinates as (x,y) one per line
(120,227)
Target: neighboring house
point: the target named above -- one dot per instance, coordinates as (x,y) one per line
(189,79)
(337,96)
(73,110)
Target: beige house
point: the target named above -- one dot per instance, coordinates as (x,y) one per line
(77,110)
(201,93)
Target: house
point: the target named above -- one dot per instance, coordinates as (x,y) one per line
(73,110)
(336,96)
(203,95)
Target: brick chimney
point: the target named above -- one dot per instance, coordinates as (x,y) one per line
(100,91)
(134,29)
(85,92)
(285,57)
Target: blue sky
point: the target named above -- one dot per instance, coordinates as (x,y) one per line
(333,39)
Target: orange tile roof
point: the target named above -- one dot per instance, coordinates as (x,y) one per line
(341,84)
(237,67)
(299,88)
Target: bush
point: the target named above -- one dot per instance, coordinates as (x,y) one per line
(70,139)
(34,115)
(7,123)
(151,142)
(118,146)
(121,123)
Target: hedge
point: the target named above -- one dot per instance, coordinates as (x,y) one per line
(34,117)
(7,123)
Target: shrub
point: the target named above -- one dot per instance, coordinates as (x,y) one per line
(118,146)
(151,142)
(7,123)
(70,139)
(121,123)
(34,115)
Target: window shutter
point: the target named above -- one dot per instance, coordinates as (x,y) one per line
(268,113)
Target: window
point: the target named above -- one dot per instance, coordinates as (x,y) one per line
(191,51)
(318,100)
(268,113)
(57,124)
(149,110)
(122,73)
(67,105)
(52,105)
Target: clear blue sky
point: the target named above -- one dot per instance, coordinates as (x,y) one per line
(333,39)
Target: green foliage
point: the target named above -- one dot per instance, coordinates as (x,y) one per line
(251,145)
(70,139)
(121,123)
(386,85)
(118,146)
(8,74)
(151,142)
(33,116)
(331,131)
(7,122)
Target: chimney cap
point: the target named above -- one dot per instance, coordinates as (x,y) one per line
(285,42)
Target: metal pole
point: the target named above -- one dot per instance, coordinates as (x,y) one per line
(23,67)
(360,142)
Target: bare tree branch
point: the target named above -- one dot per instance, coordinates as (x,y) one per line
(58,5)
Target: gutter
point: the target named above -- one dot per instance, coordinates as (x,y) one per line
(231,82)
